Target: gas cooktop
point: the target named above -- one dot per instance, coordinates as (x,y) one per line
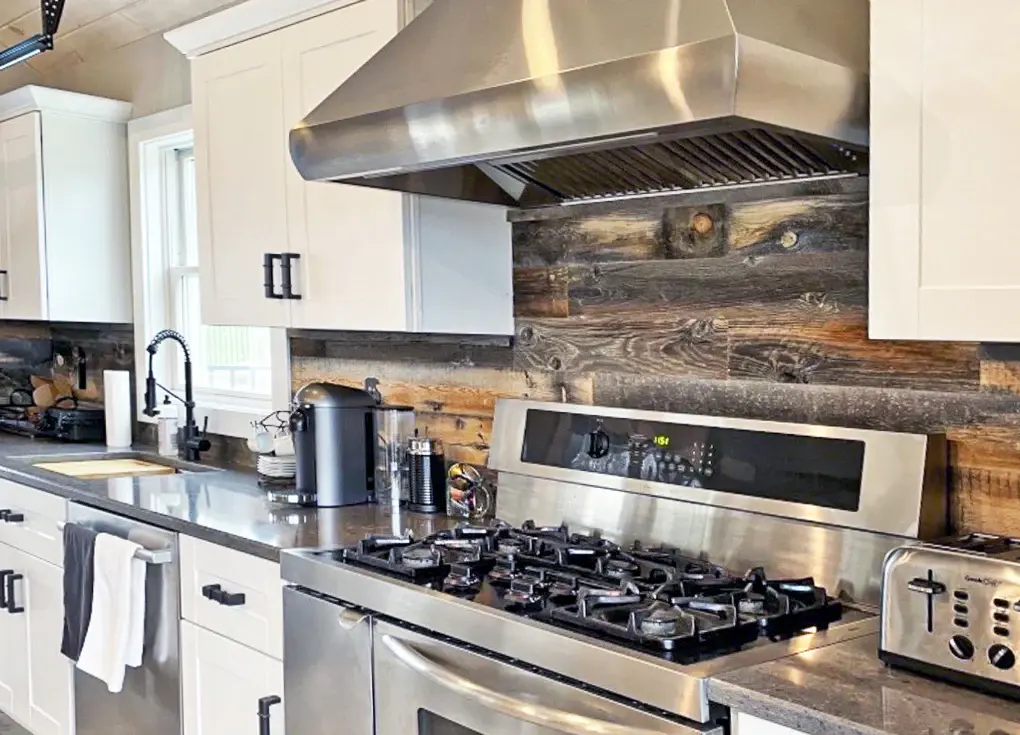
(656,600)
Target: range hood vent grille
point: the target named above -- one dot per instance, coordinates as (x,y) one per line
(752,156)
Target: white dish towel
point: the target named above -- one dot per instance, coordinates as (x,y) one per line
(116,632)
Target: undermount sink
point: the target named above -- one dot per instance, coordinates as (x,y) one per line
(122,464)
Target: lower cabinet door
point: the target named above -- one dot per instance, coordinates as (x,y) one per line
(224,684)
(49,700)
(13,643)
(748,725)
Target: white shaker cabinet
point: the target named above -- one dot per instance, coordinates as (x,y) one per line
(944,151)
(241,163)
(50,708)
(35,679)
(223,683)
(14,661)
(64,239)
(360,259)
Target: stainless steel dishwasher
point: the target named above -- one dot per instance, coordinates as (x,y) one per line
(151,700)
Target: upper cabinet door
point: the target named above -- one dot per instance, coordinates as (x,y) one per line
(944,153)
(354,271)
(22,261)
(241,159)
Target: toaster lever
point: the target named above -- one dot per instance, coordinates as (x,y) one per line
(926,586)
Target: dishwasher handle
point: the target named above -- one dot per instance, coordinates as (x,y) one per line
(149,556)
(530,712)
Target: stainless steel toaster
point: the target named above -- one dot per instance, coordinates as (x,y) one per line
(951,610)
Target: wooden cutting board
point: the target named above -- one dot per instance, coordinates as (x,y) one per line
(100,469)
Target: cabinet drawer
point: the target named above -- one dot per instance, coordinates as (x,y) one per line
(257,620)
(222,683)
(37,534)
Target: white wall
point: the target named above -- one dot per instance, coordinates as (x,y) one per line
(149,73)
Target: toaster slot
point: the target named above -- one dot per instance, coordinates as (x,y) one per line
(929,588)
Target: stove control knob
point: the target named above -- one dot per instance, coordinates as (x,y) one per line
(1001,657)
(961,647)
(596,444)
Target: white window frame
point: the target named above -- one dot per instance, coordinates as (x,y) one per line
(153,144)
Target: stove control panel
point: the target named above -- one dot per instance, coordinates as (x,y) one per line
(820,471)
(945,609)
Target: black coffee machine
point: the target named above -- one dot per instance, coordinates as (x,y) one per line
(335,444)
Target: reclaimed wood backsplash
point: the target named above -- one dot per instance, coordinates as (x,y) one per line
(741,308)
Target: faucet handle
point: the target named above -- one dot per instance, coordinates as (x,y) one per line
(205,426)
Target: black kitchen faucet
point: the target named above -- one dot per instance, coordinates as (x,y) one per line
(194,442)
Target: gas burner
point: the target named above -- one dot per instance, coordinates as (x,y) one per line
(663,621)
(461,577)
(509,546)
(421,557)
(527,591)
(621,569)
(752,605)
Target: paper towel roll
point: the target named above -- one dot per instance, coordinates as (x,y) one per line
(117,392)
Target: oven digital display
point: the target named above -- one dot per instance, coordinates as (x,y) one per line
(817,471)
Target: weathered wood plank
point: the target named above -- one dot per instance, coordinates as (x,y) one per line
(649,231)
(455,350)
(837,280)
(652,343)
(862,407)
(441,388)
(985,500)
(835,349)
(1001,377)
(805,225)
(541,292)
(465,439)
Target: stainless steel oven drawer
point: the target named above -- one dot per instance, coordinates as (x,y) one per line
(424,686)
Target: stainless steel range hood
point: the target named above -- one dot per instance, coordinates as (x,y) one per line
(537,102)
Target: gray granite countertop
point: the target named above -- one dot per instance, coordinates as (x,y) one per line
(844,689)
(222,505)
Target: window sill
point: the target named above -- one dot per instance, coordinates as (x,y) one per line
(223,420)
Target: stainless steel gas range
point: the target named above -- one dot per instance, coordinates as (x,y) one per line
(637,555)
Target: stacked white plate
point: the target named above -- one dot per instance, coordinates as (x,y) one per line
(282,467)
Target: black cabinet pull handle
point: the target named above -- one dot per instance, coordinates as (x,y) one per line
(286,264)
(265,704)
(231,599)
(270,277)
(4,296)
(13,517)
(217,594)
(4,573)
(12,607)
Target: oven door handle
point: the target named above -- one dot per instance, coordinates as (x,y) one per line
(531,712)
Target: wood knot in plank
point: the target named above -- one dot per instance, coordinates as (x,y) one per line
(696,331)
(819,301)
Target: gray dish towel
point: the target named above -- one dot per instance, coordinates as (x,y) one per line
(79,575)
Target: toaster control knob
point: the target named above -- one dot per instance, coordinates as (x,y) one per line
(961,647)
(1001,657)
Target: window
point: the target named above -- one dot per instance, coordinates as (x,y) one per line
(239,373)
(228,361)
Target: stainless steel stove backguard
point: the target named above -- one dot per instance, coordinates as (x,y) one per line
(902,496)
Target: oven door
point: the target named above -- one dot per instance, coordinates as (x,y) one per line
(424,686)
